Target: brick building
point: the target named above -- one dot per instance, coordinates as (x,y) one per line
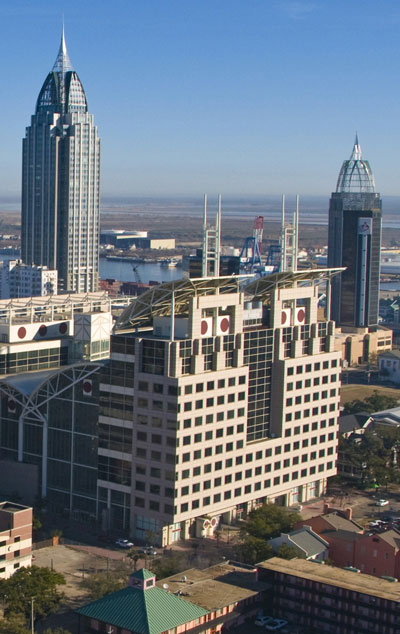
(328,599)
(15,538)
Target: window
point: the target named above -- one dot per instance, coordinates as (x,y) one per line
(200,387)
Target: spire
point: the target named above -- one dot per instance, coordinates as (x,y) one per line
(62,63)
(356,154)
(356,174)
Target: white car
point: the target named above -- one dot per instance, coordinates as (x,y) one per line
(276,624)
(123,543)
(263,620)
(382,502)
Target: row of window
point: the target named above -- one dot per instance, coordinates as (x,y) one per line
(295,460)
(299,385)
(307,412)
(246,490)
(306,398)
(309,367)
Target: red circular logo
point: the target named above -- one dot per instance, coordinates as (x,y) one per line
(301,315)
(87,387)
(204,327)
(12,406)
(63,328)
(224,325)
(283,317)
(213,521)
(21,332)
(43,330)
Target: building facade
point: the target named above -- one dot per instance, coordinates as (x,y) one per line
(60,182)
(26,280)
(216,399)
(15,538)
(354,242)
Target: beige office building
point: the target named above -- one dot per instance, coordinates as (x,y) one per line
(234,390)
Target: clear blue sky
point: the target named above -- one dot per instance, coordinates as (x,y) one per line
(242,97)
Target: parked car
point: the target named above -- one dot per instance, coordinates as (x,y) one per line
(382,502)
(147,550)
(263,620)
(275,624)
(123,543)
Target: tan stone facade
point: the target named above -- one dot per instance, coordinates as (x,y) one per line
(235,403)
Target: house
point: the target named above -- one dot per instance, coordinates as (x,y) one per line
(353,423)
(378,555)
(339,530)
(308,543)
(389,365)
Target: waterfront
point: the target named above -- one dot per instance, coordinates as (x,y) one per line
(147,271)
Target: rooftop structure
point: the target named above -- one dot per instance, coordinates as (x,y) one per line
(356,175)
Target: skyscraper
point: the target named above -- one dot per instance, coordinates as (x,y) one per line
(60,181)
(355,219)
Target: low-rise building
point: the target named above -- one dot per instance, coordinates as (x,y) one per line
(389,366)
(308,543)
(378,555)
(26,280)
(361,345)
(339,530)
(198,601)
(15,538)
(322,598)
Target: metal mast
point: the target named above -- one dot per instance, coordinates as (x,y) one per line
(211,242)
(289,239)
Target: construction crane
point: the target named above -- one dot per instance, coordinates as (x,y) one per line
(135,270)
(250,255)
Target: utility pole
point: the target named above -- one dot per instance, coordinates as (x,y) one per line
(32,617)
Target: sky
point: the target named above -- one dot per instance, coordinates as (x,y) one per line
(242,97)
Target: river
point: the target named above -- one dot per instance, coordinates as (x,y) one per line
(150,271)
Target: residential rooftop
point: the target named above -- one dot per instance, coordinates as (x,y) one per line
(330,575)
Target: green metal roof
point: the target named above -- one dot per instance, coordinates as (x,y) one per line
(150,611)
(142,574)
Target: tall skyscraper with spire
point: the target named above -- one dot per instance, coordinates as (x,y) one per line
(354,241)
(60,181)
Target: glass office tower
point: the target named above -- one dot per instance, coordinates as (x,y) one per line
(354,241)
(60,181)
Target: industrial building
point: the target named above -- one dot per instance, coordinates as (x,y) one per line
(134,239)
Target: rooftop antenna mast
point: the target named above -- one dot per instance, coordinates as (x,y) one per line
(289,238)
(211,242)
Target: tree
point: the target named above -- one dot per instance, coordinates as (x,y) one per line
(101,583)
(289,552)
(374,403)
(167,566)
(253,550)
(14,624)
(27,583)
(269,521)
